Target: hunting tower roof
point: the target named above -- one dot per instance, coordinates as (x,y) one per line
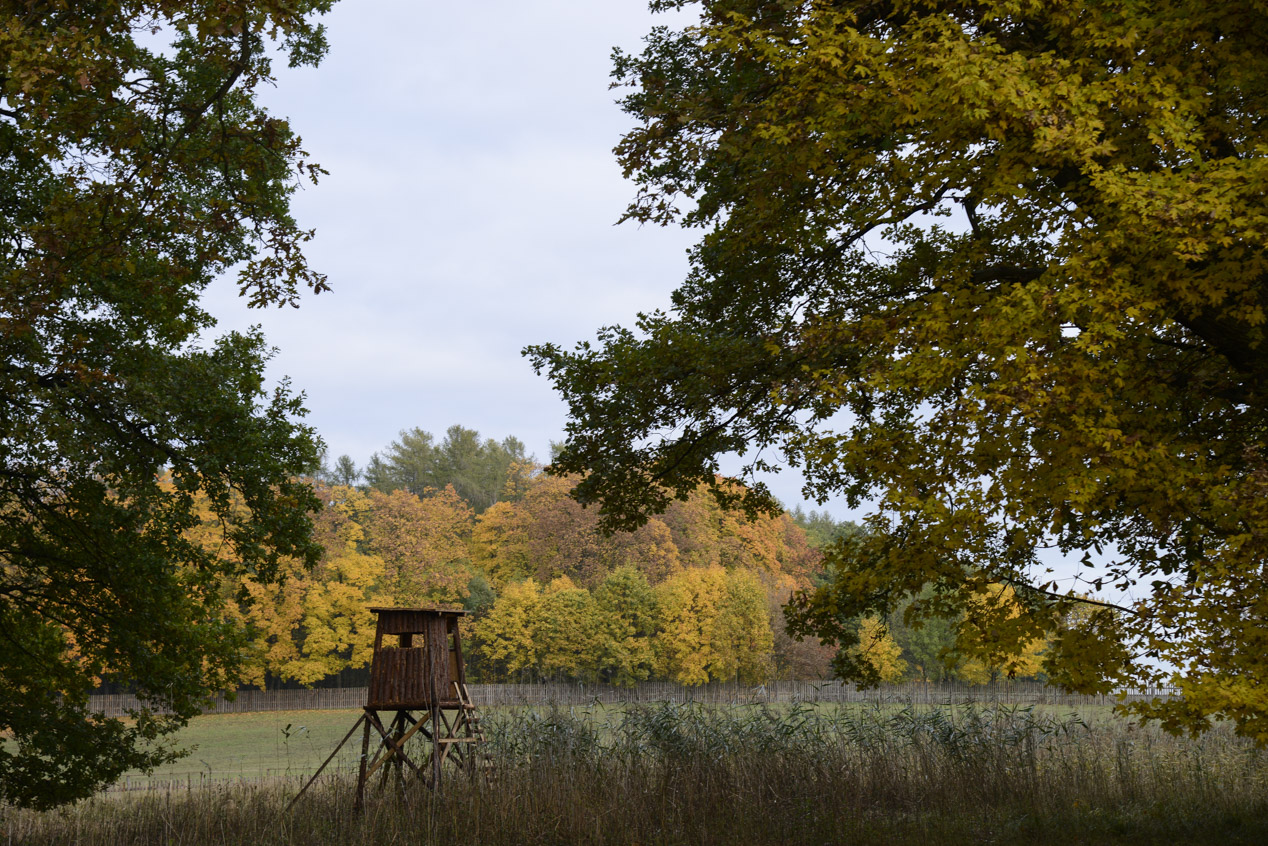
(382,609)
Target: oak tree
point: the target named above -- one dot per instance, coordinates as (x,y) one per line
(999,267)
(135,167)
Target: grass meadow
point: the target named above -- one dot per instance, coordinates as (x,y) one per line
(695,774)
(253,747)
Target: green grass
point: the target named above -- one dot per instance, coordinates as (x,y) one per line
(254,746)
(283,744)
(265,744)
(690,774)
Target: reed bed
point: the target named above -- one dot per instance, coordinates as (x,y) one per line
(676,773)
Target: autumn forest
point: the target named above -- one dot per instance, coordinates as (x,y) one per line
(695,595)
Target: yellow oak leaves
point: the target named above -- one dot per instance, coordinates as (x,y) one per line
(999,269)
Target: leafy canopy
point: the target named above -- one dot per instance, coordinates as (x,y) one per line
(999,266)
(135,167)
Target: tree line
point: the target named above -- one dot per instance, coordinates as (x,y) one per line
(694,595)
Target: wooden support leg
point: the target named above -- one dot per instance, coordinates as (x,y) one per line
(365,759)
(398,736)
(437,756)
(392,758)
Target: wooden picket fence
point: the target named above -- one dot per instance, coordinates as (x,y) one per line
(563,693)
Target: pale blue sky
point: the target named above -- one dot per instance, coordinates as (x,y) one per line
(469,211)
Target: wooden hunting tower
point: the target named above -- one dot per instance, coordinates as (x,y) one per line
(417,675)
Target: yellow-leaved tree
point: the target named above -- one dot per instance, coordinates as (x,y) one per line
(314,622)
(989,636)
(422,542)
(507,632)
(335,621)
(568,631)
(713,626)
(877,648)
(628,616)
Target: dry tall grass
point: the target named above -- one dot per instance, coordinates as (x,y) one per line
(692,774)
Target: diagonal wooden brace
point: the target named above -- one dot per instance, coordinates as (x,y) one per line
(330,758)
(394,746)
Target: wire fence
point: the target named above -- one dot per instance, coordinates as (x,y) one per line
(565,693)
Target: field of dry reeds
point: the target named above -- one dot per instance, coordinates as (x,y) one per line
(695,774)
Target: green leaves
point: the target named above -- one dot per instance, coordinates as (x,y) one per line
(479,471)
(1001,270)
(131,177)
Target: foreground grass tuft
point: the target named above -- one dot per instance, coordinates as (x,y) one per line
(689,774)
